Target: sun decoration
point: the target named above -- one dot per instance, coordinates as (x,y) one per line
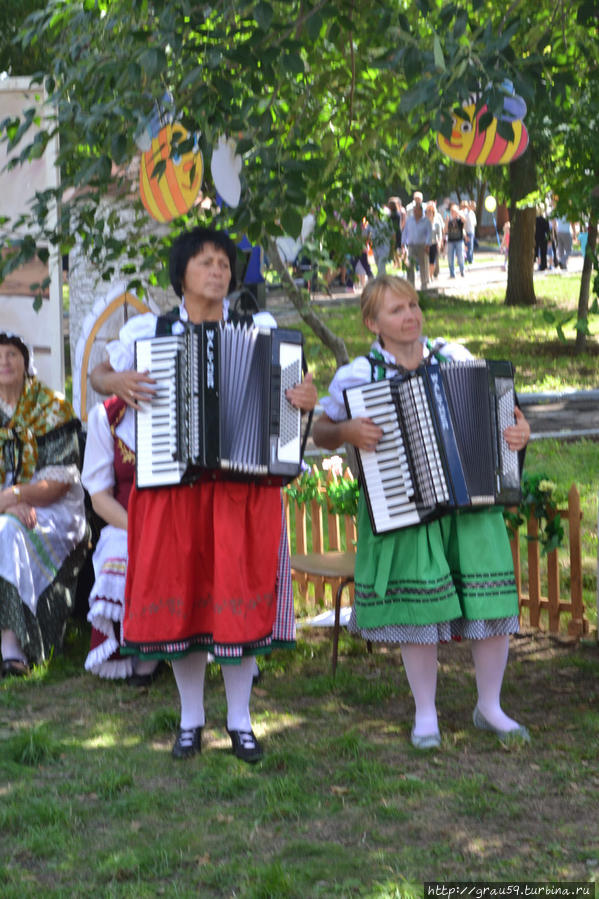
(172,192)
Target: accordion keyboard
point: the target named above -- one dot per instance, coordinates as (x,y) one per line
(386,470)
(156,430)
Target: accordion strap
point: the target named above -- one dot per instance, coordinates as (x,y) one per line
(164,325)
(378,363)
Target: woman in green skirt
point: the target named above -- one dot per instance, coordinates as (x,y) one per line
(451,578)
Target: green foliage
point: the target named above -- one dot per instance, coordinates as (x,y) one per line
(342,496)
(34,746)
(562,320)
(339,495)
(537,500)
(319,98)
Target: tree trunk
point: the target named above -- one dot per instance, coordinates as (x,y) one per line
(301,300)
(520,283)
(585,288)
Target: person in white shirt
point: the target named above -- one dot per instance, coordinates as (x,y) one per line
(564,234)
(417,236)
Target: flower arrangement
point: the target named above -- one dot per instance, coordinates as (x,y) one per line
(538,500)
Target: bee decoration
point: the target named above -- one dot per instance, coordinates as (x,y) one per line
(472,145)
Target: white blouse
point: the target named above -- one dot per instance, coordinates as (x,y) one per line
(98,463)
(121,352)
(359,371)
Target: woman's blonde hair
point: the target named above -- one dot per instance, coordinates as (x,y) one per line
(372,295)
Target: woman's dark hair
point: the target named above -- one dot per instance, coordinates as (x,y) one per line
(189,244)
(13,340)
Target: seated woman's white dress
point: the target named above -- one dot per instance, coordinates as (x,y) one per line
(32,559)
(107,597)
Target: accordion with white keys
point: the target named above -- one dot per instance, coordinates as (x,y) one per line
(219,404)
(442,446)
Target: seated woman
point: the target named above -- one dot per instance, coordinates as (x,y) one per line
(42,513)
(108,473)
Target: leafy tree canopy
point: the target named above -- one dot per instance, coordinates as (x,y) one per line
(328,103)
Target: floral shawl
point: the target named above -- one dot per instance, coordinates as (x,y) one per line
(38,411)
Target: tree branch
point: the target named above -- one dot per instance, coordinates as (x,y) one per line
(300,300)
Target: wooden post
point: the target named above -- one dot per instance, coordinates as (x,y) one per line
(553,591)
(534,572)
(515,548)
(301,546)
(317,541)
(578,623)
(334,534)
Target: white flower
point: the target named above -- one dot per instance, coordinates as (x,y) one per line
(334,464)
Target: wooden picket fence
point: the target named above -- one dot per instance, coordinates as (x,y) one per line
(315,529)
(548,573)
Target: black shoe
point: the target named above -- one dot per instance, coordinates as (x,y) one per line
(145,680)
(245,745)
(188,742)
(15,668)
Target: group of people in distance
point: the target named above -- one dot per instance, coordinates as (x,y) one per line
(422,232)
(184,571)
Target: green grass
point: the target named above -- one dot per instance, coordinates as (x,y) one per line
(342,805)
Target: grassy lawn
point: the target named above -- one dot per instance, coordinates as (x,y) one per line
(342,805)
(93,804)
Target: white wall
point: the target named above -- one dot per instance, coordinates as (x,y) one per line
(43,329)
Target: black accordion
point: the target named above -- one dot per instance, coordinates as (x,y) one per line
(219,404)
(443,446)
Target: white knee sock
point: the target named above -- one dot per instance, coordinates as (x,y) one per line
(10,647)
(238,687)
(490,660)
(189,674)
(420,663)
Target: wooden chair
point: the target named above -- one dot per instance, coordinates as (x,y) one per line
(333,566)
(325,562)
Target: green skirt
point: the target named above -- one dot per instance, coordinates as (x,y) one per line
(459,566)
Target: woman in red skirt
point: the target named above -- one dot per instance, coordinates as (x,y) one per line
(208,562)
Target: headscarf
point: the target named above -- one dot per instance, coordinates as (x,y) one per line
(12,335)
(38,411)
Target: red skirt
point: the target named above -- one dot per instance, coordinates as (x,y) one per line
(202,568)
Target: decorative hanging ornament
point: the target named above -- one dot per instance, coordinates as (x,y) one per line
(470,145)
(172,192)
(225,167)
